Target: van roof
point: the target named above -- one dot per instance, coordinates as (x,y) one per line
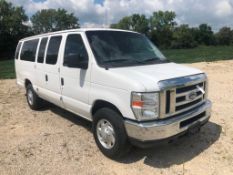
(75,30)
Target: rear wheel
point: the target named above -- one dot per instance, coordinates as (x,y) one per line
(109,133)
(33,100)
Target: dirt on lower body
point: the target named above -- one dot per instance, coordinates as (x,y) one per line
(53,141)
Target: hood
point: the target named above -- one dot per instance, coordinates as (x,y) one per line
(149,75)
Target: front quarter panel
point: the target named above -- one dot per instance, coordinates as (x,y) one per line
(118,97)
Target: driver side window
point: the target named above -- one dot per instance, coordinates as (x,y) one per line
(74,49)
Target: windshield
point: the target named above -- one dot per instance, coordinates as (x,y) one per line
(118,49)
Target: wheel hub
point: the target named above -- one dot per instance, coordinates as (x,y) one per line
(105,134)
(30,97)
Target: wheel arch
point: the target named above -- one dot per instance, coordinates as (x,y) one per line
(98,104)
(27,82)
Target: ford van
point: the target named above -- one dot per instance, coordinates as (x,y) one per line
(118,80)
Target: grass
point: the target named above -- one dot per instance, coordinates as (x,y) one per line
(199,54)
(7,69)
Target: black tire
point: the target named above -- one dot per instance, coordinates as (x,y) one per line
(34,102)
(121,146)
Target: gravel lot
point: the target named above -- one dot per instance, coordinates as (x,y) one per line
(53,141)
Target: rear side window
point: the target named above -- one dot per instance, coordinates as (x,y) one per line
(74,47)
(17,50)
(53,49)
(28,52)
(41,53)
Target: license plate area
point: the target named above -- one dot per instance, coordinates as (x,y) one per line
(192,120)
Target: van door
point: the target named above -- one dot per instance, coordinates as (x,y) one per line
(75,82)
(51,70)
(40,71)
(26,65)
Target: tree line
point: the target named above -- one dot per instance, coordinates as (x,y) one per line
(164,31)
(14,25)
(161,27)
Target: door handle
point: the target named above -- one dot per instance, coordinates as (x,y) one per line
(46,77)
(62,81)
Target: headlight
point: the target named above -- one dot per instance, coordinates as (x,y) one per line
(145,105)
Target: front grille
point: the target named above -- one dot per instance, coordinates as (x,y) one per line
(182,98)
(168,97)
(183,94)
(181,107)
(187,88)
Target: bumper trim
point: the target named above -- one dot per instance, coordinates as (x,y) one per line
(158,130)
(148,144)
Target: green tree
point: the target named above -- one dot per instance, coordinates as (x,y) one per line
(162,26)
(205,35)
(136,22)
(183,37)
(124,24)
(139,23)
(225,36)
(12,27)
(53,20)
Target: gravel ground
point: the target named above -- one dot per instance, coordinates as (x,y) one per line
(53,141)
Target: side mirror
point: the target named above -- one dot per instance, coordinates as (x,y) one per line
(76,61)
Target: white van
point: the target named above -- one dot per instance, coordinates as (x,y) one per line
(118,80)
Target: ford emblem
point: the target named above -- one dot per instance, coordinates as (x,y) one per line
(192,96)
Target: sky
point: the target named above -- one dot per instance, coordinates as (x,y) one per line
(101,13)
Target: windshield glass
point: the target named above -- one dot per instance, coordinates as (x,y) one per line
(118,49)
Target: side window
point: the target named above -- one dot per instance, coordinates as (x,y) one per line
(28,52)
(17,50)
(41,53)
(53,49)
(74,49)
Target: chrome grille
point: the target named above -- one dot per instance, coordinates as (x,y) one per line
(183,94)
(181,97)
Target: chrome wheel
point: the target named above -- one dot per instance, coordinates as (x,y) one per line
(105,134)
(30,96)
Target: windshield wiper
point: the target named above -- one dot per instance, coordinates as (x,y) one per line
(155,59)
(107,62)
(124,62)
(116,60)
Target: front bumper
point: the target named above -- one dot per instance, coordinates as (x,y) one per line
(166,128)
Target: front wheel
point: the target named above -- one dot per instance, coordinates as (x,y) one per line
(33,100)
(109,133)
